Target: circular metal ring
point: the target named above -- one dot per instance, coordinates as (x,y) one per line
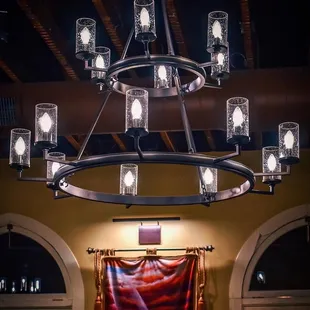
(168,60)
(157,158)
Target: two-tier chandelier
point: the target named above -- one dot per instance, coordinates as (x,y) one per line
(167,83)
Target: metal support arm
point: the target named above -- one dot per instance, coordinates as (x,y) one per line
(268,193)
(229,156)
(274,174)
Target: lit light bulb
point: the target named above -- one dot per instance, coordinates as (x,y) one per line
(55,167)
(145,20)
(136,109)
(45,122)
(99,62)
(129,179)
(162,73)
(271,163)
(208,176)
(20,146)
(289,140)
(220,59)
(237,117)
(85,35)
(217,30)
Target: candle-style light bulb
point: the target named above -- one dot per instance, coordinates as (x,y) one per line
(85,35)
(289,140)
(237,117)
(208,177)
(129,179)
(220,59)
(136,109)
(20,146)
(145,20)
(99,62)
(45,122)
(271,163)
(162,73)
(55,167)
(217,30)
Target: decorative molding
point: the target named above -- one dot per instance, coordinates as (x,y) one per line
(60,251)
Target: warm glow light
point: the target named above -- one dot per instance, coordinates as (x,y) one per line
(237,117)
(145,18)
(99,62)
(20,146)
(220,59)
(129,179)
(136,109)
(217,30)
(162,73)
(289,140)
(45,122)
(85,35)
(55,167)
(208,177)
(272,163)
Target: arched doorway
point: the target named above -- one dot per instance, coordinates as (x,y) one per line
(36,241)
(272,270)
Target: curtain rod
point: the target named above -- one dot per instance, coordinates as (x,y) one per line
(207,248)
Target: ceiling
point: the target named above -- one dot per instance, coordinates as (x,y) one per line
(37,44)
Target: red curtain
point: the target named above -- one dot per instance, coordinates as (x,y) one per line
(150,283)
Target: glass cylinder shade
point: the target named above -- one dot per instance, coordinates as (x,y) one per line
(51,166)
(85,38)
(46,125)
(136,112)
(101,60)
(209,176)
(217,32)
(20,145)
(145,28)
(289,143)
(238,120)
(220,70)
(162,76)
(271,164)
(129,179)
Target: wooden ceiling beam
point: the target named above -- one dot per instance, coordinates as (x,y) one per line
(165,137)
(176,27)
(247,33)
(119,142)
(43,22)
(7,70)
(210,140)
(75,144)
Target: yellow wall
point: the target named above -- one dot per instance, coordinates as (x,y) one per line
(225,225)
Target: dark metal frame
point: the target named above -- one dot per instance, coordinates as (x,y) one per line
(60,182)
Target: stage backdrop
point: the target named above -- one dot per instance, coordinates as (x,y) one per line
(150,283)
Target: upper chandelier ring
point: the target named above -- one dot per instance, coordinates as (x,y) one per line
(176,62)
(157,158)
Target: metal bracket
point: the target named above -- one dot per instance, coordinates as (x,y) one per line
(268,193)
(207,64)
(274,174)
(229,156)
(137,147)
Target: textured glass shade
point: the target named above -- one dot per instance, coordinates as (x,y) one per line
(136,112)
(145,28)
(53,167)
(162,76)
(217,31)
(220,71)
(46,125)
(237,120)
(271,164)
(101,60)
(210,179)
(128,179)
(85,38)
(289,143)
(20,148)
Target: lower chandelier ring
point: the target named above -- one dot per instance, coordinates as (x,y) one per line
(177,62)
(157,158)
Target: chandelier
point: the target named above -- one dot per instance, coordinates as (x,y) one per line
(167,82)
